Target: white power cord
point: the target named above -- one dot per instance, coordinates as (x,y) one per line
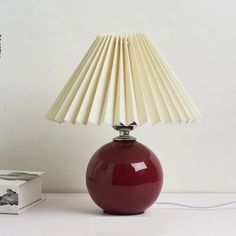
(196,207)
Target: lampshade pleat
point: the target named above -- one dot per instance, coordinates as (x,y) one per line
(140,109)
(121,99)
(177,90)
(57,105)
(123,79)
(146,86)
(83,79)
(131,106)
(162,113)
(108,109)
(177,112)
(67,107)
(94,88)
(103,83)
(188,104)
(82,90)
(169,98)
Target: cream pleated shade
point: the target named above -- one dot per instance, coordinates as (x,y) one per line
(123,78)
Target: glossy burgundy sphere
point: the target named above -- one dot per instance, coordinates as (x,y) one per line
(124,177)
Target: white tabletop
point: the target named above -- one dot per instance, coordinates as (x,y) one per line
(76,214)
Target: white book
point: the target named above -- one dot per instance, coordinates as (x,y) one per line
(19,190)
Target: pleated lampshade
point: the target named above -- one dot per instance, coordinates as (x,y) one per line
(123,79)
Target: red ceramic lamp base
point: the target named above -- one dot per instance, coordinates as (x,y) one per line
(124,177)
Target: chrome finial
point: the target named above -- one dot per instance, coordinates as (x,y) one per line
(124,131)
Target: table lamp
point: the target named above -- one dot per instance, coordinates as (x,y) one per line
(123,81)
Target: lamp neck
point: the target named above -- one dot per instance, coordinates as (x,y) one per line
(124,132)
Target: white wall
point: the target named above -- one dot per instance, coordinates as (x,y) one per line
(43,41)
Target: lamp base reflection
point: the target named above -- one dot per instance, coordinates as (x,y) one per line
(124,177)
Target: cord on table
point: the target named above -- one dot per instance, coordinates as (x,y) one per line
(196,207)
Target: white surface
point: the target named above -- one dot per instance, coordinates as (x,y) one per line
(76,214)
(43,41)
